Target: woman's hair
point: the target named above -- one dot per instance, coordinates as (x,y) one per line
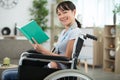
(67,5)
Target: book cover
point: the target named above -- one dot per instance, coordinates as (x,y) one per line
(32,31)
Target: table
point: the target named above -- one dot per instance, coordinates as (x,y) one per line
(9,66)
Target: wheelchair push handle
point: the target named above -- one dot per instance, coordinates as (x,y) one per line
(90,36)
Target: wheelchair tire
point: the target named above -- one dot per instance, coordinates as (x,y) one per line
(68,73)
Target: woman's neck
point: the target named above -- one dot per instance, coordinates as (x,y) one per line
(70,25)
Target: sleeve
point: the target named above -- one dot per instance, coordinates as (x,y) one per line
(75,33)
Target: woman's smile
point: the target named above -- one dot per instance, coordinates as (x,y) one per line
(64,19)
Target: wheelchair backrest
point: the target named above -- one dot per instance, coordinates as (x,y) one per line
(76,51)
(77,47)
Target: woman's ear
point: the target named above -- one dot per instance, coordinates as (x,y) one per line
(74,11)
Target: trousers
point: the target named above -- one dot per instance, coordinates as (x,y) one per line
(10,74)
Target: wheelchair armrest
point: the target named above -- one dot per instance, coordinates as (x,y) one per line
(48,57)
(42,58)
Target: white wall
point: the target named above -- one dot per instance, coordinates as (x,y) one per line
(20,14)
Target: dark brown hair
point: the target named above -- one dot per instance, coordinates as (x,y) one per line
(67,5)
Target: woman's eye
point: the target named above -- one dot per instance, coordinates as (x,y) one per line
(65,12)
(58,14)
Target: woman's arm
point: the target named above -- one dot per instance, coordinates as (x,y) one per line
(68,53)
(41,49)
(69,48)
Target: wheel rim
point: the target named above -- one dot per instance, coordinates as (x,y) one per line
(67,73)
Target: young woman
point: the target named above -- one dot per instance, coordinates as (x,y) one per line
(66,11)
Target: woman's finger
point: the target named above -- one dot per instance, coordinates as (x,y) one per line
(34,41)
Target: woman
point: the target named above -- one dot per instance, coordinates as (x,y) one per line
(66,11)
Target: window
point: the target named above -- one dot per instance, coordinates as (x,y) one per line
(95,12)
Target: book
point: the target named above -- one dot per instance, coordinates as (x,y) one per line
(32,30)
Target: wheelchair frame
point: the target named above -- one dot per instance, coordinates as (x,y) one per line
(57,74)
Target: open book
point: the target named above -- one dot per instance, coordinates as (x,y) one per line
(32,31)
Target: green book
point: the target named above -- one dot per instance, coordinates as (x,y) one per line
(32,31)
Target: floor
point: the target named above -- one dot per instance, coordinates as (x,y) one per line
(99,74)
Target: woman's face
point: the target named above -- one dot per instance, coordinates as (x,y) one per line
(66,17)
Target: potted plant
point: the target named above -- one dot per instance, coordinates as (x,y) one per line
(39,12)
(116,11)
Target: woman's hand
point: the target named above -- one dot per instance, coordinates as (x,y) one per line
(38,47)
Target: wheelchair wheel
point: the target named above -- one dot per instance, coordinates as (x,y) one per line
(68,74)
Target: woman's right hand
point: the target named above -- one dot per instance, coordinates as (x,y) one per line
(39,48)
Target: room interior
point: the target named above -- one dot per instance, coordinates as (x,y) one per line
(100,18)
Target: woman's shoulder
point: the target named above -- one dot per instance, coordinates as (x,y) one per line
(76,30)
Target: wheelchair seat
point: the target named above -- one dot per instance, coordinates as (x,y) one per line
(32,65)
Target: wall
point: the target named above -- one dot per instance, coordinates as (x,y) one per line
(19,14)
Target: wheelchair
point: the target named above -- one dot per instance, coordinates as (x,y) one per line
(32,65)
